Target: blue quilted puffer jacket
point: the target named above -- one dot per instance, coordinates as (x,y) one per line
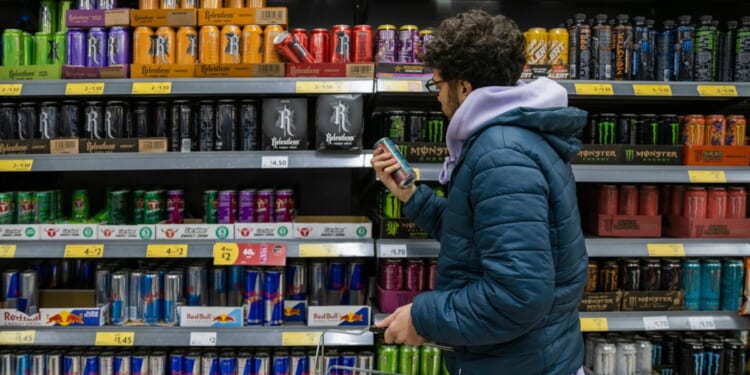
(512,262)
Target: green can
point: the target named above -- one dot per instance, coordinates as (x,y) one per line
(430,360)
(153,207)
(54,201)
(48,16)
(391,205)
(28,48)
(445,367)
(408,360)
(42,48)
(7,208)
(62,8)
(119,207)
(138,206)
(25,213)
(439,191)
(12,47)
(388,358)
(42,200)
(79,203)
(59,49)
(396,123)
(211,206)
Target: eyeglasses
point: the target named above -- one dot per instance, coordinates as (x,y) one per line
(432,86)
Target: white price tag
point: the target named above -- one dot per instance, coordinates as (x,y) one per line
(702,323)
(274,162)
(202,338)
(393,251)
(655,323)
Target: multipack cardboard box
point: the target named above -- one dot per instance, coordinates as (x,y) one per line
(684,227)
(717,155)
(162,71)
(399,229)
(351,70)
(19,232)
(59,308)
(295,311)
(338,316)
(332,227)
(163,17)
(243,16)
(658,300)
(29,146)
(199,316)
(141,145)
(256,231)
(630,154)
(31,72)
(625,225)
(607,301)
(239,70)
(423,152)
(82,19)
(194,232)
(82,72)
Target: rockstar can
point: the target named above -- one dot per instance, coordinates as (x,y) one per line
(247,206)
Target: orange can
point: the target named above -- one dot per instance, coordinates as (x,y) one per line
(536,46)
(715,130)
(164,44)
(557,46)
(256,3)
(234,3)
(211,4)
(230,44)
(148,4)
(269,50)
(735,130)
(252,44)
(188,4)
(168,4)
(209,41)
(187,45)
(142,46)
(693,130)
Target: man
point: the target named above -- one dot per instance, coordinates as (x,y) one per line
(512,262)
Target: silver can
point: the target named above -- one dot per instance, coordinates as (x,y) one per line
(643,357)
(317,283)
(157,363)
(7,363)
(365,361)
(209,360)
(38,360)
(173,297)
(218,287)
(53,363)
(589,345)
(135,297)
(28,298)
(119,298)
(103,294)
(197,286)
(604,358)
(625,358)
(106,363)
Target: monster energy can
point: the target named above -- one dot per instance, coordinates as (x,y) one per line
(648,130)
(7,208)
(626,124)
(395,125)
(390,205)
(605,129)
(408,360)
(669,130)
(435,127)
(417,125)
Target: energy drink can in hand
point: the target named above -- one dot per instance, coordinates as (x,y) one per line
(404,176)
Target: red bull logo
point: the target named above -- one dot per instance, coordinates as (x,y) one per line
(352,317)
(65,318)
(289,311)
(223,318)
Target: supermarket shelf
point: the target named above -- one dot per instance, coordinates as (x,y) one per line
(190,161)
(180,336)
(407,248)
(678,320)
(196,249)
(401,85)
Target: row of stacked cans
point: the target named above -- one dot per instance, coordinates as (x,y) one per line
(628,200)
(96,4)
(248,206)
(51,274)
(714,202)
(21,290)
(327,283)
(415,275)
(693,353)
(390,206)
(27,207)
(605,49)
(98,47)
(666,129)
(231,44)
(605,276)
(192,4)
(21,48)
(263,361)
(410,360)
(411,126)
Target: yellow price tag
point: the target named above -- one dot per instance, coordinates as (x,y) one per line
(13,89)
(300,338)
(666,249)
(146,88)
(594,89)
(393,85)
(594,325)
(313,250)
(26,337)
(84,251)
(84,88)
(7,251)
(16,165)
(417,174)
(226,253)
(322,87)
(652,90)
(115,339)
(167,251)
(717,90)
(717,177)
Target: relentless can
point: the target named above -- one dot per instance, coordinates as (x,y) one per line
(106,4)
(173,297)
(119,302)
(230,45)
(735,130)
(671,274)
(70,119)
(264,206)
(226,119)
(691,283)
(695,202)
(49,120)
(196,286)
(168,4)
(362,44)
(143,44)
(187,46)
(404,176)
(283,208)
(288,47)
(736,202)
(181,123)
(254,296)
(161,121)
(408,360)
(12,47)
(115,120)
(118,46)
(319,45)
(163,47)
(8,121)
(94,127)
(207,125)
(302,37)
(217,295)
(96,50)
(27,42)
(273,293)
(152,301)
(211,4)
(27,121)
(270,55)
(252,44)
(42,48)
(341,36)
(429,358)
(248,126)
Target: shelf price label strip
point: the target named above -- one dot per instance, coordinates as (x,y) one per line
(89,88)
(300,338)
(309,250)
(594,325)
(655,323)
(652,90)
(665,249)
(702,323)
(392,85)
(152,88)
(274,162)
(16,165)
(717,90)
(11,89)
(393,251)
(25,337)
(7,251)
(167,251)
(703,177)
(202,338)
(84,251)
(115,339)
(594,89)
(322,87)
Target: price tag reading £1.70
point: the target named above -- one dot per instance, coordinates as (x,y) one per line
(393,251)
(702,323)
(655,323)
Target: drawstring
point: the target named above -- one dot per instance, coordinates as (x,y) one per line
(445,173)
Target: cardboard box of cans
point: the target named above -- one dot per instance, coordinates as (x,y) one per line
(423,152)
(685,227)
(332,227)
(338,316)
(366,70)
(162,71)
(402,70)
(717,155)
(239,70)
(605,301)
(630,154)
(163,17)
(549,71)
(85,18)
(55,317)
(399,229)
(201,316)
(83,72)
(243,16)
(656,300)
(83,146)
(31,72)
(625,226)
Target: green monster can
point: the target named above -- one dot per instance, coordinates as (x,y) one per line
(62,8)
(119,207)
(139,206)
(7,208)
(80,205)
(59,49)
(48,16)
(435,127)
(42,200)
(28,48)
(408,360)
(445,367)
(396,126)
(153,207)
(42,48)
(391,206)
(430,358)
(211,206)
(25,213)
(12,47)
(54,200)
(388,358)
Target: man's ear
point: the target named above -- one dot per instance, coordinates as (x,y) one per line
(464,89)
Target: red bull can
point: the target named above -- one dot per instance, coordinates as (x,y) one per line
(281,362)
(106,363)
(317,283)
(135,297)
(210,364)
(273,288)
(7,363)
(244,363)
(175,363)
(218,290)
(227,364)
(173,298)
(404,176)
(157,363)
(11,288)
(139,364)
(366,361)
(23,364)
(37,363)
(121,364)
(197,283)
(335,283)
(192,363)
(254,296)
(261,363)
(53,363)
(296,274)
(235,282)
(347,359)
(119,298)
(357,279)
(72,364)
(298,363)
(331,360)
(151,292)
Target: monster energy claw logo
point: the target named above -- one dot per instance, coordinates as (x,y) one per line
(435,130)
(654,133)
(629,154)
(674,131)
(713,363)
(606,132)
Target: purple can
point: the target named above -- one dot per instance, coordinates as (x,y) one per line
(227,206)
(432,270)
(415,275)
(264,206)
(391,275)
(408,39)
(76,47)
(86,4)
(386,44)
(96,51)
(175,207)
(118,46)
(284,205)
(247,206)
(107,4)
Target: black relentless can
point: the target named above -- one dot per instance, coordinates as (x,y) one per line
(27,121)
(206,126)
(94,125)
(727,52)
(417,124)
(436,127)
(226,120)
(625,125)
(8,121)
(114,120)
(713,356)
(70,122)
(248,127)
(140,119)
(49,120)
(181,122)
(734,357)
(630,275)
(608,276)
(160,128)
(648,130)
(692,359)
(670,274)
(669,129)
(650,274)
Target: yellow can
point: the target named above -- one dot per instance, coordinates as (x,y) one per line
(557,46)
(252,44)
(256,3)
(209,44)
(536,46)
(269,50)
(187,45)
(234,3)
(211,4)
(142,52)
(230,44)
(164,52)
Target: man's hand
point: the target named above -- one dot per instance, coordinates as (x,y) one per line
(385,164)
(400,329)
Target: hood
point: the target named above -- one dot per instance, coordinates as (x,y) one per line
(540,106)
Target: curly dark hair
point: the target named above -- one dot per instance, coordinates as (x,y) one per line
(477,47)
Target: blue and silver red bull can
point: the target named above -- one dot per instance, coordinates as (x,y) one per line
(106,363)
(96,48)
(139,364)
(7,363)
(281,363)
(404,176)
(209,364)
(135,297)
(151,291)
(261,364)
(691,284)
(176,360)
(197,284)
(76,40)
(335,282)
(244,363)
(23,363)
(53,363)
(218,291)
(330,360)
(298,363)
(11,288)
(38,360)
(254,296)
(118,46)
(273,287)
(357,293)
(227,364)
(90,364)
(72,364)
(157,363)
(235,282)
(710,285)
(296,280)
(347,359)
(121,364)
(173,298)
(119,298)
(192,364)
(732,280)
